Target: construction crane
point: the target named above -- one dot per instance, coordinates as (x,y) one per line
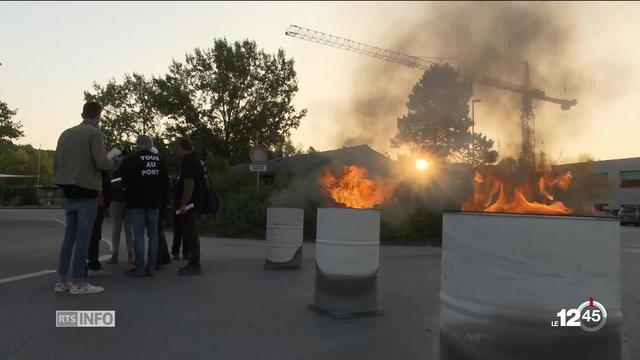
(528,93)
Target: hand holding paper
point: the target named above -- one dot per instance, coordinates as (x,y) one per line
(187,208)
(115,152)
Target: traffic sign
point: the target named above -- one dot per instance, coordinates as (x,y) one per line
(259,154)
(258,168)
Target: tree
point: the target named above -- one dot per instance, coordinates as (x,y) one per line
(129,110)
(23,160)
(230,96)
(9,129)
(438,122)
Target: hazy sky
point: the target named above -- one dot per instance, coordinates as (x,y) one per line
(52,52)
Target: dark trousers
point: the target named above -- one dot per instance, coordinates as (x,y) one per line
(94,242)
(164,258)
(190,233)
(178,238)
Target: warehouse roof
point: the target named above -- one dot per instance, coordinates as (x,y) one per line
(362,155)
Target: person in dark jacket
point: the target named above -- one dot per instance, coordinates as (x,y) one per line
(94,267)
(190,187)
(144,176)
(163,257)
(178,238)
(120,215)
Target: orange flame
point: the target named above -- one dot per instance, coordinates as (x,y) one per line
(354,189)
(494,194)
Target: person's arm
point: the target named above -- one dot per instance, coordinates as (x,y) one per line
(55,157)
(99,153)
(164,179)
(187,192)
(124,173)
(188,173)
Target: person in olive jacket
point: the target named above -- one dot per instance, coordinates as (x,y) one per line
(80,157)
(144,178)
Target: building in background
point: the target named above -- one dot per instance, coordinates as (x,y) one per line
(608,184)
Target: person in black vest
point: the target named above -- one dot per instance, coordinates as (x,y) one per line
(163,258)
(177,224)
(190,190)
(119,214)
(144,177)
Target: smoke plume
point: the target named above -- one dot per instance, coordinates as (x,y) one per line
(480,39)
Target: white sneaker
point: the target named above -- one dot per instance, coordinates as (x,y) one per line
(87,289)
(62,287)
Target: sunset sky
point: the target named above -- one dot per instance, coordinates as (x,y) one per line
(52,52)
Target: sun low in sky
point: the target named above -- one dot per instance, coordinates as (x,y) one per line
(422,164)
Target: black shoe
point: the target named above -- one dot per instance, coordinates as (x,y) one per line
(91,267)
(151,271)
(185,256)
(190,270)
(184,267)
(175,257)
(135,272)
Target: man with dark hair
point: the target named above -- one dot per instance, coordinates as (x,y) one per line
(80,157)
(144,177)
(190,189)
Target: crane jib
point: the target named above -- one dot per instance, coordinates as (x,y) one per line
(528,93)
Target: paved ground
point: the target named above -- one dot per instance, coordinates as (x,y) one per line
(236,310)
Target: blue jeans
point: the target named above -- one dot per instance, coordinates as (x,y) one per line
(120,214)
(145,218)
(80,215)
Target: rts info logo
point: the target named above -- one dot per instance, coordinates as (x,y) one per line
(75,318)
(591,316)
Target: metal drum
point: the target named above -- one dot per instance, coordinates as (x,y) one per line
(506,278)
(284,237)
(347,261)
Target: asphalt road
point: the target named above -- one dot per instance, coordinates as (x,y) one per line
(235,310)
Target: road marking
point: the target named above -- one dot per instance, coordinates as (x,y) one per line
(47,272)
(26,276)
(630,249)
(57,220)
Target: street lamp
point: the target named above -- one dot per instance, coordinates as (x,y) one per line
(473,128)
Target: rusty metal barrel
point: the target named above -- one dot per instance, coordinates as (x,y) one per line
(509,283)
(284,238)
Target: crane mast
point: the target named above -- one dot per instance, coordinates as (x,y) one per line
(528,93)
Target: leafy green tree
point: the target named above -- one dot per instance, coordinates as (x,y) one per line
(438,122)
(229,96)
(129,109)
(9,129)
(23,160)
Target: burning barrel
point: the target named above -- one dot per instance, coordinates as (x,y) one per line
(347,261)
(284,237)
(510,281)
